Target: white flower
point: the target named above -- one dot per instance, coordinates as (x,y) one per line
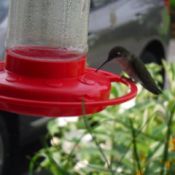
(127,105)
(55,141)
(87,138)
(63,121)
(74,134)
(81,165)
(119,170)
(67,146)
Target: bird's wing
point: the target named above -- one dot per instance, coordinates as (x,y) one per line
(144,76)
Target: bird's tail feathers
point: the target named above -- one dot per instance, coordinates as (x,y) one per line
(153,89)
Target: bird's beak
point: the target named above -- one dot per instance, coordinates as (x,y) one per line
(101,65)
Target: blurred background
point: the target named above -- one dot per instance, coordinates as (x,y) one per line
(145,27)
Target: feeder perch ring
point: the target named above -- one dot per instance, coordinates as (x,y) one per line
(57,108)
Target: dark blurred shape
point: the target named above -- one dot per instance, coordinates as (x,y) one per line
(172,13)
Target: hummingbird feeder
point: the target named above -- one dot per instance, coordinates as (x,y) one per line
(45,72)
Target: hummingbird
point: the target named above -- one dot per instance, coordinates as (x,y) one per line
(134,68)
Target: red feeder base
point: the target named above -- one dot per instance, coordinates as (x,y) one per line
(38,88)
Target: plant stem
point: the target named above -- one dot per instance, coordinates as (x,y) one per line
(56,169)
(113,146)
(97,144)
(168,135)
(139,131)
(74,147)
(135,150)
(89,129)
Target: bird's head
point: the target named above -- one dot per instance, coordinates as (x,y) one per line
(115,53)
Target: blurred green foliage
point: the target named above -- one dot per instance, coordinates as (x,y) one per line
(136,138)
(172,3)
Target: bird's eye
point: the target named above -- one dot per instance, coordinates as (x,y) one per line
(118,54)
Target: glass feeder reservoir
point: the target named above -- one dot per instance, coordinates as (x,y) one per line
(45,70)
(52,31)
(49,24)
